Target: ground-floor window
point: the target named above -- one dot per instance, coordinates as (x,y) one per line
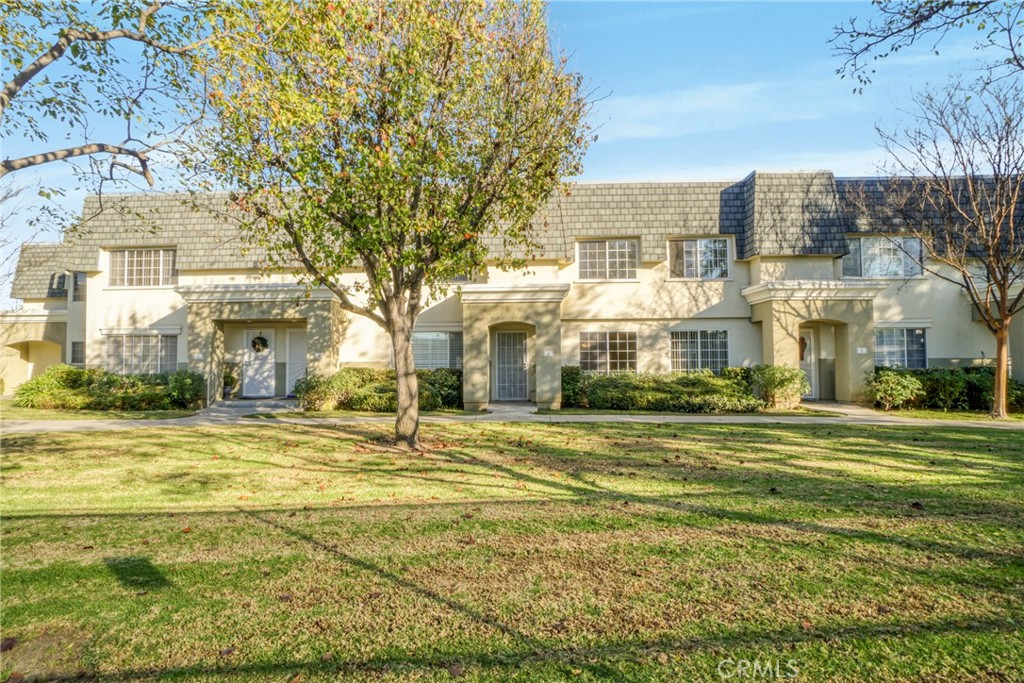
(142,354)
(608,351)
(77,353)
(432,350)
(694,350)
(900,347)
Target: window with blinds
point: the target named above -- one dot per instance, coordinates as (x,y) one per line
(432,350)
(900,347)
(143,268)
(142,354)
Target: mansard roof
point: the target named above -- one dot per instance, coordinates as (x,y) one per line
(768,214)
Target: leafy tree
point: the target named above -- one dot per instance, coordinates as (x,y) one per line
(89,66)
(900,24)
(392,138)
(956,183)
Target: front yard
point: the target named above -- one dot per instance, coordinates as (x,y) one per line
(530,552)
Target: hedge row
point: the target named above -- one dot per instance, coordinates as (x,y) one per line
(738,390)
(373,390)
(65,387)
(940,389)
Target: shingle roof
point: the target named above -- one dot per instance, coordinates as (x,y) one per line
(199,226)
(40,272)
(786,214)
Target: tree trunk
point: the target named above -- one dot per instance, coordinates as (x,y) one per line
(407,420)
(999,391)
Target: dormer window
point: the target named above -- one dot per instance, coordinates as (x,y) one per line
(143,268)
(886,257)
(699,259)
(609,259)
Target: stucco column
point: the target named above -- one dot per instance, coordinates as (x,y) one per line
(476,375)
(780,334)
(323,336)
(203,356)
(548,335)
(855,356)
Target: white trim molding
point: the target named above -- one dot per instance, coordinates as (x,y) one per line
(33,316)
(811,290)
(135,331)
(251,293)
(487,294)
(910,323)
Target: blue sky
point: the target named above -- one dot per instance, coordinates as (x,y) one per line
(697,91)
(715,90)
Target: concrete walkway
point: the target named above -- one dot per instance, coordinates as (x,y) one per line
(236,412)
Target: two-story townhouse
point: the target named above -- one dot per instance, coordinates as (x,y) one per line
(652,277)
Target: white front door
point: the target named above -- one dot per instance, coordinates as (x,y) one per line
(808,360)
(510,378)
(296,358)
(258,370)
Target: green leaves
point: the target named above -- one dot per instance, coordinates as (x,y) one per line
(392,136)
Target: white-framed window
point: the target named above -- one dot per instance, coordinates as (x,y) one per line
(609,259)
(432,350)
(143,268)
(902,347)
(606,352)
(78,353)
(703,258)
(892,257)
(694,350)
(142,354)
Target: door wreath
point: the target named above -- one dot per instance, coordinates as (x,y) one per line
(260,343)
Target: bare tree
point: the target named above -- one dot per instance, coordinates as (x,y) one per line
(900,24)
(61,70)
(957,184)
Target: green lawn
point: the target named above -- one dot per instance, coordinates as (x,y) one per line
(949,414)
(531,552)
(308,414)
(8,411)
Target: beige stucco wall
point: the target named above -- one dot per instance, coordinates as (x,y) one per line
(778,268)
(654,340)
(853,338)
(481,320)
(28,348)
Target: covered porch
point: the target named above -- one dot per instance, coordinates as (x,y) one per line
(267,337)
(30,342)
(512,344)
(825,328)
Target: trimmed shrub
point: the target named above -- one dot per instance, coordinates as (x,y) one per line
(778,386)
(967,388)
(185,389)
(316,393)
(445,384)
(700,392)
(64,387)
(574,387)
(893,389)
(376,390)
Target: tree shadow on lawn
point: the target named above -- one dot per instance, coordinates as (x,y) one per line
(611,660)
(136,573)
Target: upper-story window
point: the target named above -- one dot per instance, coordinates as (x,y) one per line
(78,287)
(609,259)
(704,259)
(142,268)
(883,257)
